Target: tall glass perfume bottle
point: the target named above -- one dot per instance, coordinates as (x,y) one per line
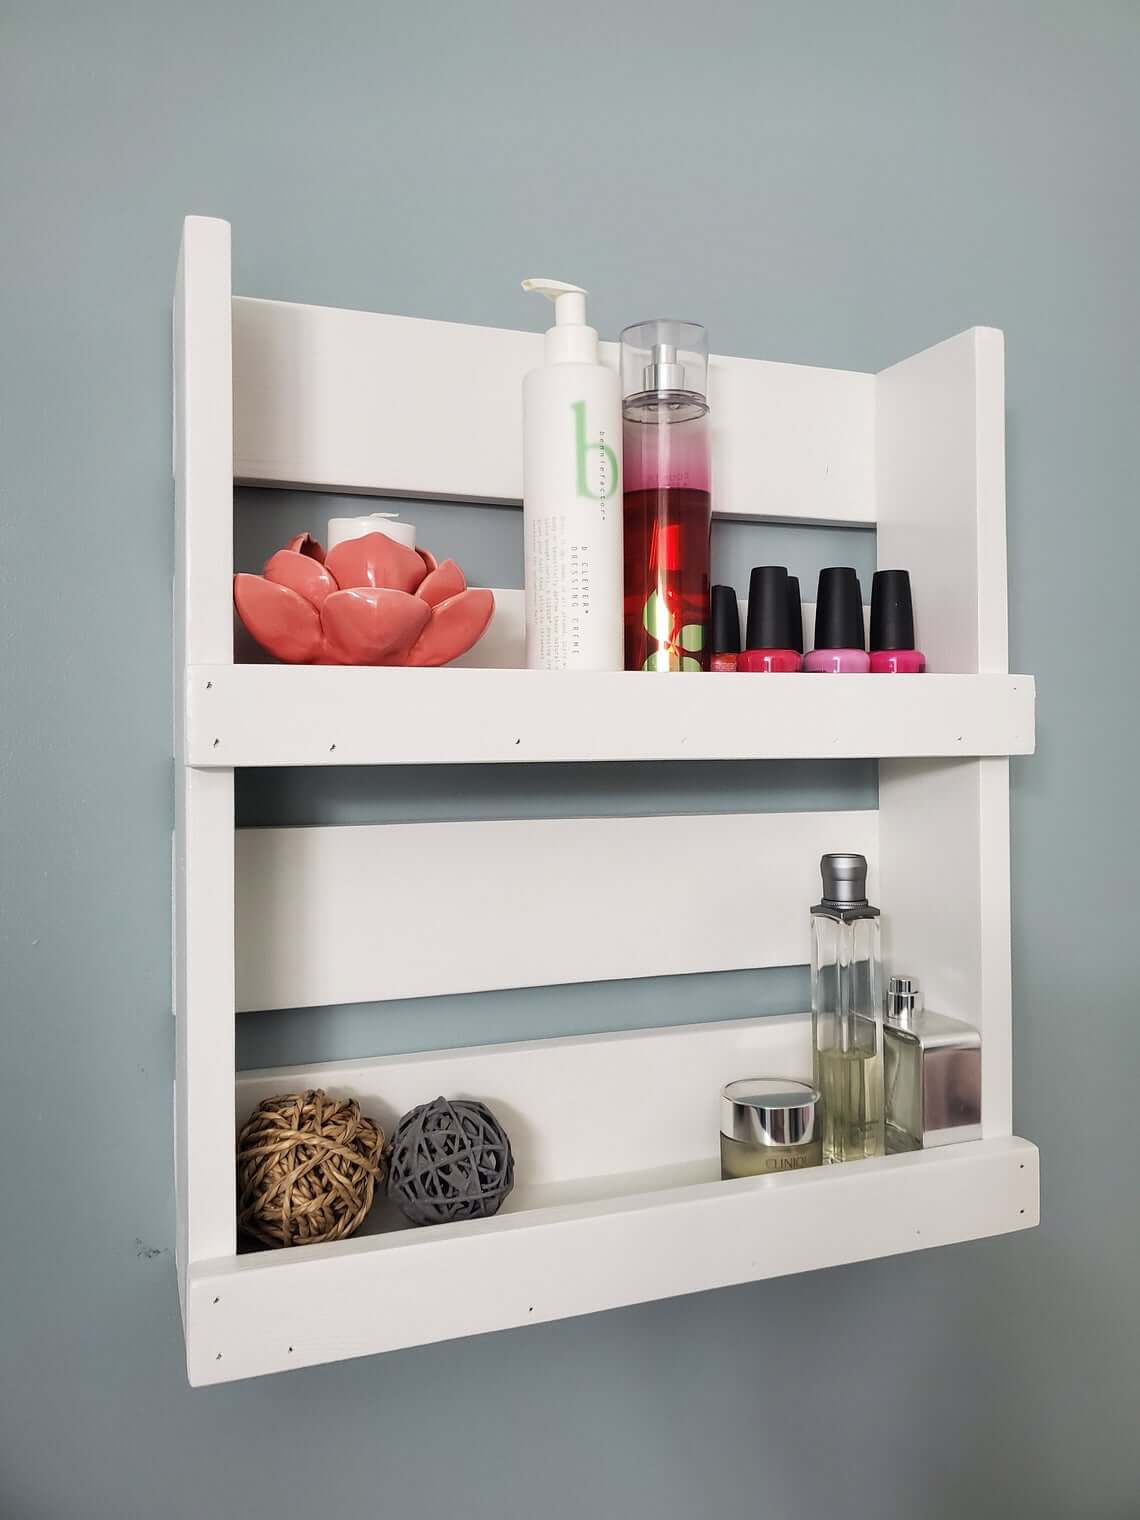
(932,1067)
(847,1011)
(668,501)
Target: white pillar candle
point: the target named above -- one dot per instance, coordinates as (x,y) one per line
(342,528)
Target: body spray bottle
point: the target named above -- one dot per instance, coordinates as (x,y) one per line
(668,501)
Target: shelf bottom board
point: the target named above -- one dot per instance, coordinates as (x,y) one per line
(577,1247)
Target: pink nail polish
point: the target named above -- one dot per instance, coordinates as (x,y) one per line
(770,644)
(839,643)
(892,626)
(838,662)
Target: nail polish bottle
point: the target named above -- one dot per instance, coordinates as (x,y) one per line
(892,626)
(840,646)
(725,618)
(796,614)
(770,642)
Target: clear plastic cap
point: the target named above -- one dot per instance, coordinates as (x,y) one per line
(664,357)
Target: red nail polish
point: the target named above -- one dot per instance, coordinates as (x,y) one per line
(725,619)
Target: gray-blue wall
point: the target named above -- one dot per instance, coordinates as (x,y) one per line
(829,183)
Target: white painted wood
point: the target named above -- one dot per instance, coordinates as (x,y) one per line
(204,815)
(362,913)
(336,715)
(204,1012)
(944,849)
(353,401)
(996,948)
(623,1209)
(940,453)
(577,1107)
(269,1312)
(945,825)
(203,444)
(503,646)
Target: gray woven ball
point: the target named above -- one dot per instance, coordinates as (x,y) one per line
(449,1161)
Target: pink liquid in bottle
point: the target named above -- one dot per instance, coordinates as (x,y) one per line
(667,500)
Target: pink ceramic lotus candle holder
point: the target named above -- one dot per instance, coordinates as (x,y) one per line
(370,601)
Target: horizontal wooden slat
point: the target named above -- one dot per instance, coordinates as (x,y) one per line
(578,1106)
(503,646)
(338,715)
(361,402)
(353,914)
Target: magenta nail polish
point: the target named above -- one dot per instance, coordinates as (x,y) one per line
(770,645)
(892,626)
(840,648)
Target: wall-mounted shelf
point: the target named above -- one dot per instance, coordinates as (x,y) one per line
(612,1205)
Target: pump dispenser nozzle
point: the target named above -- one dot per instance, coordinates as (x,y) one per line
(570,340)
(569,300)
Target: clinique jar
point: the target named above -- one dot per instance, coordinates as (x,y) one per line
(768,1124)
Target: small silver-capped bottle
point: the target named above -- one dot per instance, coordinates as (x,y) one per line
(932,1073)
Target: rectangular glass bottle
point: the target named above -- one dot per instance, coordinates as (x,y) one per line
(932,1068)
(847,1012)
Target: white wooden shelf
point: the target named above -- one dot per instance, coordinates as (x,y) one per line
(615,1136)
(240,715)
(617,1201)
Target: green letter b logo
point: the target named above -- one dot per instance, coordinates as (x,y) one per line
(607,465)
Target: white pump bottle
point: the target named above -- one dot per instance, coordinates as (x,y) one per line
(572,503)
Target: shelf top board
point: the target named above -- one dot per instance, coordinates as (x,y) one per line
(277,715)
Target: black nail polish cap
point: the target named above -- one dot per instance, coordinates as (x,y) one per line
(839,610)
(795,614)
(892,611)
(725,621)
(769,608)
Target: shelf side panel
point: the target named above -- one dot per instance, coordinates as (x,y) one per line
(270,1313)
(355,914)
(944,874)
(351,401)
(204,813)
(940,442)
(940,470)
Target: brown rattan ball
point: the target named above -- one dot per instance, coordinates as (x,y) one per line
(307,1165)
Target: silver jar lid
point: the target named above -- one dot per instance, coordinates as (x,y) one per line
(769,1111)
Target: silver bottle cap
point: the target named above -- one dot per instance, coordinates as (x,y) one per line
(844,879)
(769,1111)
(904,999)
(663,373)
